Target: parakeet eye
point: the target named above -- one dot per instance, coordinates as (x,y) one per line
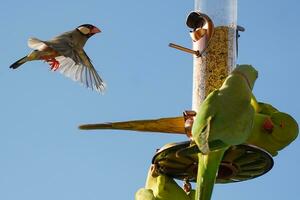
(84,30)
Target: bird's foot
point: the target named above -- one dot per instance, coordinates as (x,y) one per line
(53,63)
(189,116)
(154,171)
(187,187)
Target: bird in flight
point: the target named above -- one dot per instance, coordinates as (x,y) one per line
(65,53)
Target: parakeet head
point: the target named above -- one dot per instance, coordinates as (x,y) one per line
(273,132)
(286,129)
(248,72)
(88,30)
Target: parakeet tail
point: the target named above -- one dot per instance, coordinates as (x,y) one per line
(19,63)
(96,126)
(207,172)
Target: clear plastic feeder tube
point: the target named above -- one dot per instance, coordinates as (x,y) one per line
(218,56)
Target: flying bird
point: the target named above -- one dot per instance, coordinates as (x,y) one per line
(65,53)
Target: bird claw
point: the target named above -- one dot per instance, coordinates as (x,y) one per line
(54,64)
(189,116)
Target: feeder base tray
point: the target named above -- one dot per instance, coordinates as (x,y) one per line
(240,163)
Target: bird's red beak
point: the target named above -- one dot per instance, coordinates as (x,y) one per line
(95,30)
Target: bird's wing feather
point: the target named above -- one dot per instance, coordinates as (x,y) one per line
(36,44)
(64,45)
(204,135)
(202,125)
(81,73)
(86,61)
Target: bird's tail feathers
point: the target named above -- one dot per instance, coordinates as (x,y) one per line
(19,62)
(208,166)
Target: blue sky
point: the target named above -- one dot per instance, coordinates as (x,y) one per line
(42,153)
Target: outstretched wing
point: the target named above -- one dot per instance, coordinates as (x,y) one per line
(88,76)
(73,64)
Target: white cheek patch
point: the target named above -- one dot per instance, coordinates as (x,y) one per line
(84,30)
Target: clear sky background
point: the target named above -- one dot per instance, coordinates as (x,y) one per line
(43,156)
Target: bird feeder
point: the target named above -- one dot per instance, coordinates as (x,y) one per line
(214,27)
(214,33)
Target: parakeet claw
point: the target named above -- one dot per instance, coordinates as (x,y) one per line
(189,116)
(187,186)
(154,171)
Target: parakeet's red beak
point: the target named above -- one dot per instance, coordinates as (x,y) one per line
(95,30)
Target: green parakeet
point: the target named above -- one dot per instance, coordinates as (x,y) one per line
(224,118)
(162,187)
(274,131)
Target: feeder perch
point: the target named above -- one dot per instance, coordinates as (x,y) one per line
(187,50)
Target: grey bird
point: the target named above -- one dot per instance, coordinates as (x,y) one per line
(65,53)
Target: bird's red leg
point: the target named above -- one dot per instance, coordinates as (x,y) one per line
(52,62)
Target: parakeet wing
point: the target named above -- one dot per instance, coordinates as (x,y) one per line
(205,115)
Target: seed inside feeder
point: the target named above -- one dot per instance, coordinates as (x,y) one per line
(217,60)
